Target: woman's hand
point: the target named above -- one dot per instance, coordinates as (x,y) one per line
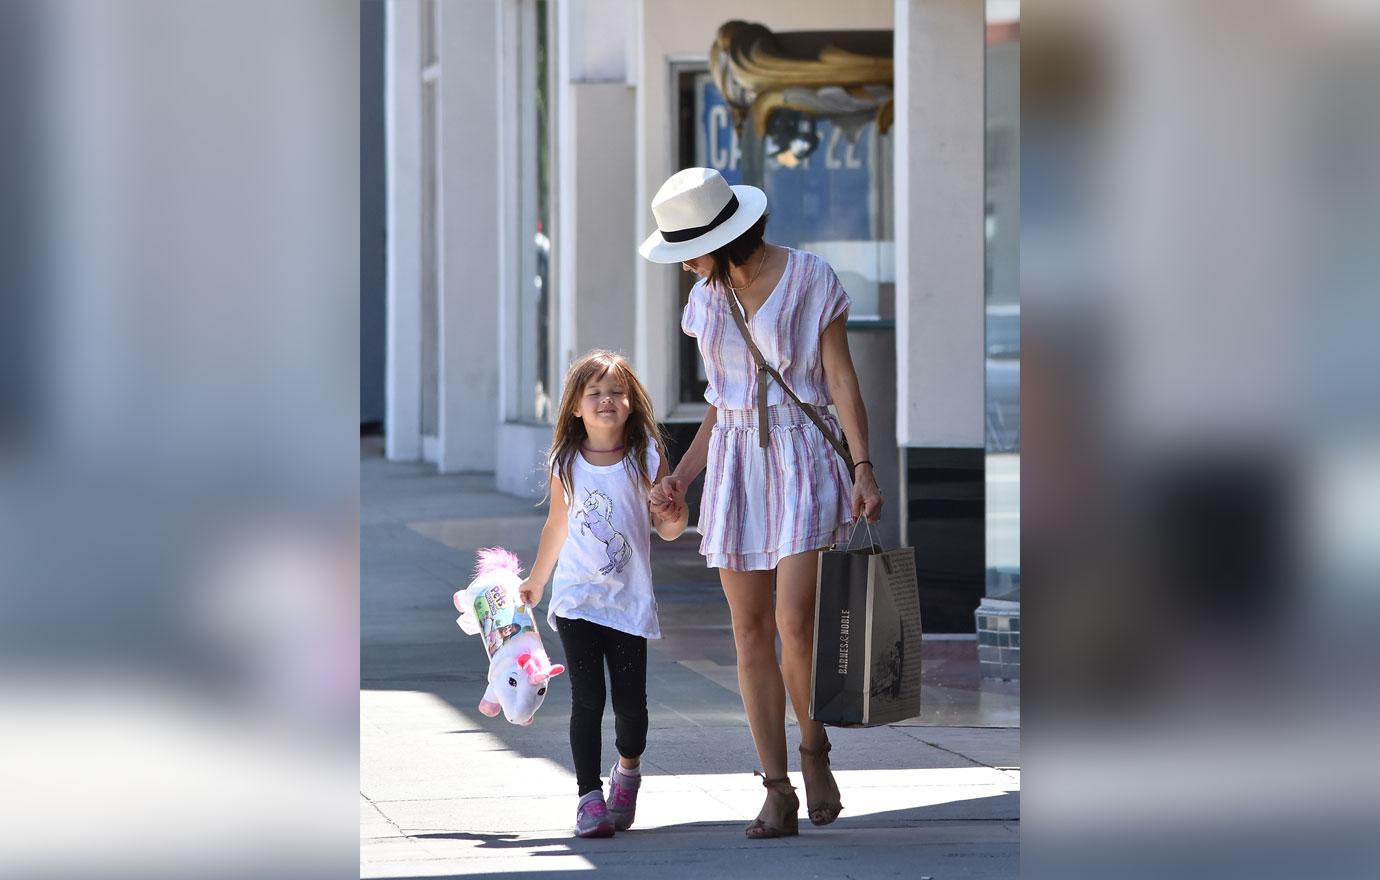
(530,592)
(667,498)
(867,498)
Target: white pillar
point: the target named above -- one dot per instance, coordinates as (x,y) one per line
(600,277)
(594,229)
(518,446)
(469,215)
(403,114)
(939,180)
(594,147)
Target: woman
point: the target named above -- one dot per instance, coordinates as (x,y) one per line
(767,507)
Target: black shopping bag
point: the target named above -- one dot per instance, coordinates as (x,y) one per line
(866,668)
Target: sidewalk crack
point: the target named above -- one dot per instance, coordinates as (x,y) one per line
(934,745)
(385,816)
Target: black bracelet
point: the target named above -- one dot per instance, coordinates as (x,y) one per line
(864,461)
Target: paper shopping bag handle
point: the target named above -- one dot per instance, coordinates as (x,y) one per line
(871,542)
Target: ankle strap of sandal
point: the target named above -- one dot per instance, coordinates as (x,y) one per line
(772,783)
(821,750)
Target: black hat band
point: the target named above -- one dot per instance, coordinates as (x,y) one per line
(679,235)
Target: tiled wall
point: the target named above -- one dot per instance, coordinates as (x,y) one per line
(999,640)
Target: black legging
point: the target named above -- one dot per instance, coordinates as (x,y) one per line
(587,647)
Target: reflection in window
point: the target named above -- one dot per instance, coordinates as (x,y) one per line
(828,186)
(535,385)
(430,228)
(1003,409)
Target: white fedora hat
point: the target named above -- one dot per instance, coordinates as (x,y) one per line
(697,212)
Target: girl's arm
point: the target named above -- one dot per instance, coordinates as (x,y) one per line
(533,587)
(842,380)
(670,519)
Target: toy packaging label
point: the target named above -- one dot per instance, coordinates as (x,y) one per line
(500,618)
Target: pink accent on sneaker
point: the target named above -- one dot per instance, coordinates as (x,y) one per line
(622,802)
(592,817)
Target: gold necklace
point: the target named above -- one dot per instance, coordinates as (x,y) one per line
(760,264)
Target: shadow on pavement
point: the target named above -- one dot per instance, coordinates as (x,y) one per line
(1005,806)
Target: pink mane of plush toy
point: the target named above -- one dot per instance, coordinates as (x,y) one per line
(491,559)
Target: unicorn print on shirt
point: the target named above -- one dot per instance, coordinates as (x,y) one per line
(597,516)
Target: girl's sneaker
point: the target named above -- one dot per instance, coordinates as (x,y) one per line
(592,817)
(623,796)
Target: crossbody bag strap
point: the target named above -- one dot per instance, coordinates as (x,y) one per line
(765,370)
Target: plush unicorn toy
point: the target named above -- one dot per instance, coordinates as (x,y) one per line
(518,666)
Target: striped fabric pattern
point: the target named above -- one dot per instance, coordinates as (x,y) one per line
(787,328)
(760,505)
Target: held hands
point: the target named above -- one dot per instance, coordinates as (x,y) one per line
(667,498)
(530,592)
(867,498)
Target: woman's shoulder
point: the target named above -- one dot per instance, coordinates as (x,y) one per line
(699,291)
(693,315)
(695,299)
(815,267)
(821,291)
(814,280)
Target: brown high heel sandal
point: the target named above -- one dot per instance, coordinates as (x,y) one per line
(780,816)
(819,779)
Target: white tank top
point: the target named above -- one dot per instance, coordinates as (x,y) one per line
(604,574)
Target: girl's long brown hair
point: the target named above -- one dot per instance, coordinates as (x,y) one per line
(640,430)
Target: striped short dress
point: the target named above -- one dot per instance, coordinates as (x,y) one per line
(761,505)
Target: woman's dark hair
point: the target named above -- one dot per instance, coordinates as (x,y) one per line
(736,252)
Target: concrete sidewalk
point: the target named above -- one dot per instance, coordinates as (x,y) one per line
(446,791)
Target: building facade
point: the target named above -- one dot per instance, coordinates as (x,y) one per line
(523,142)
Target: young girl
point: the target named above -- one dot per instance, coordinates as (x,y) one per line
(605,458)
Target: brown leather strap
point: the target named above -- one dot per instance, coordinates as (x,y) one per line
(764,370)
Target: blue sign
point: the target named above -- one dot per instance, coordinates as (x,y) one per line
(827,196)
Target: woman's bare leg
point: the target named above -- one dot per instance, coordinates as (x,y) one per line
(749,595)
(795,618)
(795,621)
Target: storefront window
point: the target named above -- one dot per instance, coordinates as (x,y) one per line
(430,194)
(536,381)
(828,190)
(1003,409)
